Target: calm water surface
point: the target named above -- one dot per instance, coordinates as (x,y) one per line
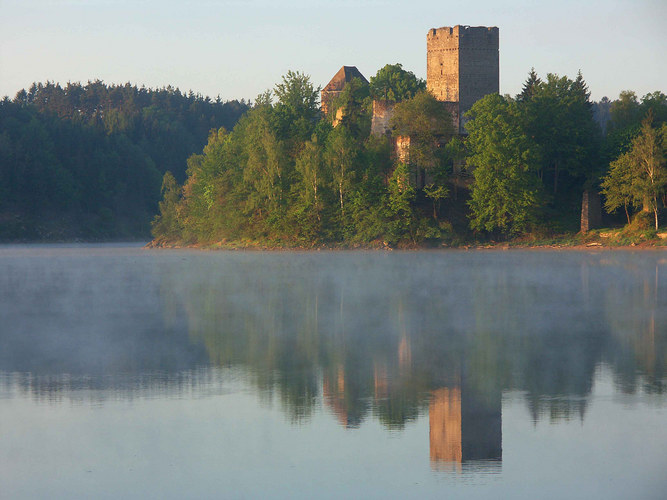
(132,373)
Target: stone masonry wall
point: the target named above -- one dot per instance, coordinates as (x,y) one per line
(591,211)
(478,66)
(382,113)
(462,65)
(442,63)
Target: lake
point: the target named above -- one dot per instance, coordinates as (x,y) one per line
(134,373)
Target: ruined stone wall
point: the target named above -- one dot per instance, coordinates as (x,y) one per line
(591,211)
(402,148)
(338,119)
(382,113)
(327,98)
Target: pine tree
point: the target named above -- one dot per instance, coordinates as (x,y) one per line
(530,87)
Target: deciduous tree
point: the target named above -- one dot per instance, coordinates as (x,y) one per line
(393,83)
(506,195)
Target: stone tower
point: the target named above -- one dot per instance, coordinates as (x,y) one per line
(462,66)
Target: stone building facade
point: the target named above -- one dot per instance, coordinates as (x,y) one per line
(462,66)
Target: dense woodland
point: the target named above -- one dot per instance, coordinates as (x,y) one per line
(288,176)
(86,161)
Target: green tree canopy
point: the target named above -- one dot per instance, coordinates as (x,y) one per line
(86,160)
(297,109)
(506,195)
(393,83)
(559,117)
(353,108)
(626,115)
(530,86)
(639,176)
(428,124)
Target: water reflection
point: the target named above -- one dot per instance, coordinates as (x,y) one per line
(360,335)
(464,429)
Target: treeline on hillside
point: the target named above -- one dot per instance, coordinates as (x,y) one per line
(86,161)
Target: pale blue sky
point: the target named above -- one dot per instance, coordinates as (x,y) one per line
(238,48)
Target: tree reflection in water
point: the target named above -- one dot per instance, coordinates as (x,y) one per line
(390,336)
(399,335)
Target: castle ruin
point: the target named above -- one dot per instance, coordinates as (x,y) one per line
(462,66)
(335,87)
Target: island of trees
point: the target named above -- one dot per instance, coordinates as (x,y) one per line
(288,176)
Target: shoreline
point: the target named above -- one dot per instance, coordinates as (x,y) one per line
(658,245)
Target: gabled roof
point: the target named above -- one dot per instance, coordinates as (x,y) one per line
(344,75)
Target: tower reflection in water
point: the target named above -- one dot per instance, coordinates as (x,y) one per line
(465,431)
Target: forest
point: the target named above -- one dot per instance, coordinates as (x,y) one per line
(85,162)
(287,176)
(97,162)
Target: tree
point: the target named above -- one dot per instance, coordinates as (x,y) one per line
(352,108)
(401,197)
(436,194)
(393,83)
(341,154)
(625,119)
(310,171)
(167,225)
(455,155)
(309,165)
(602,113)
(506,194)
(639,176)
(559,117)
(530,87)
(297,95)
(648,161)
(655,103)
(297,109)
(617,186)
(625,111)
(428,124)
(265,162)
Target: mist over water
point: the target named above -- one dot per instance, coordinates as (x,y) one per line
(395,373)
